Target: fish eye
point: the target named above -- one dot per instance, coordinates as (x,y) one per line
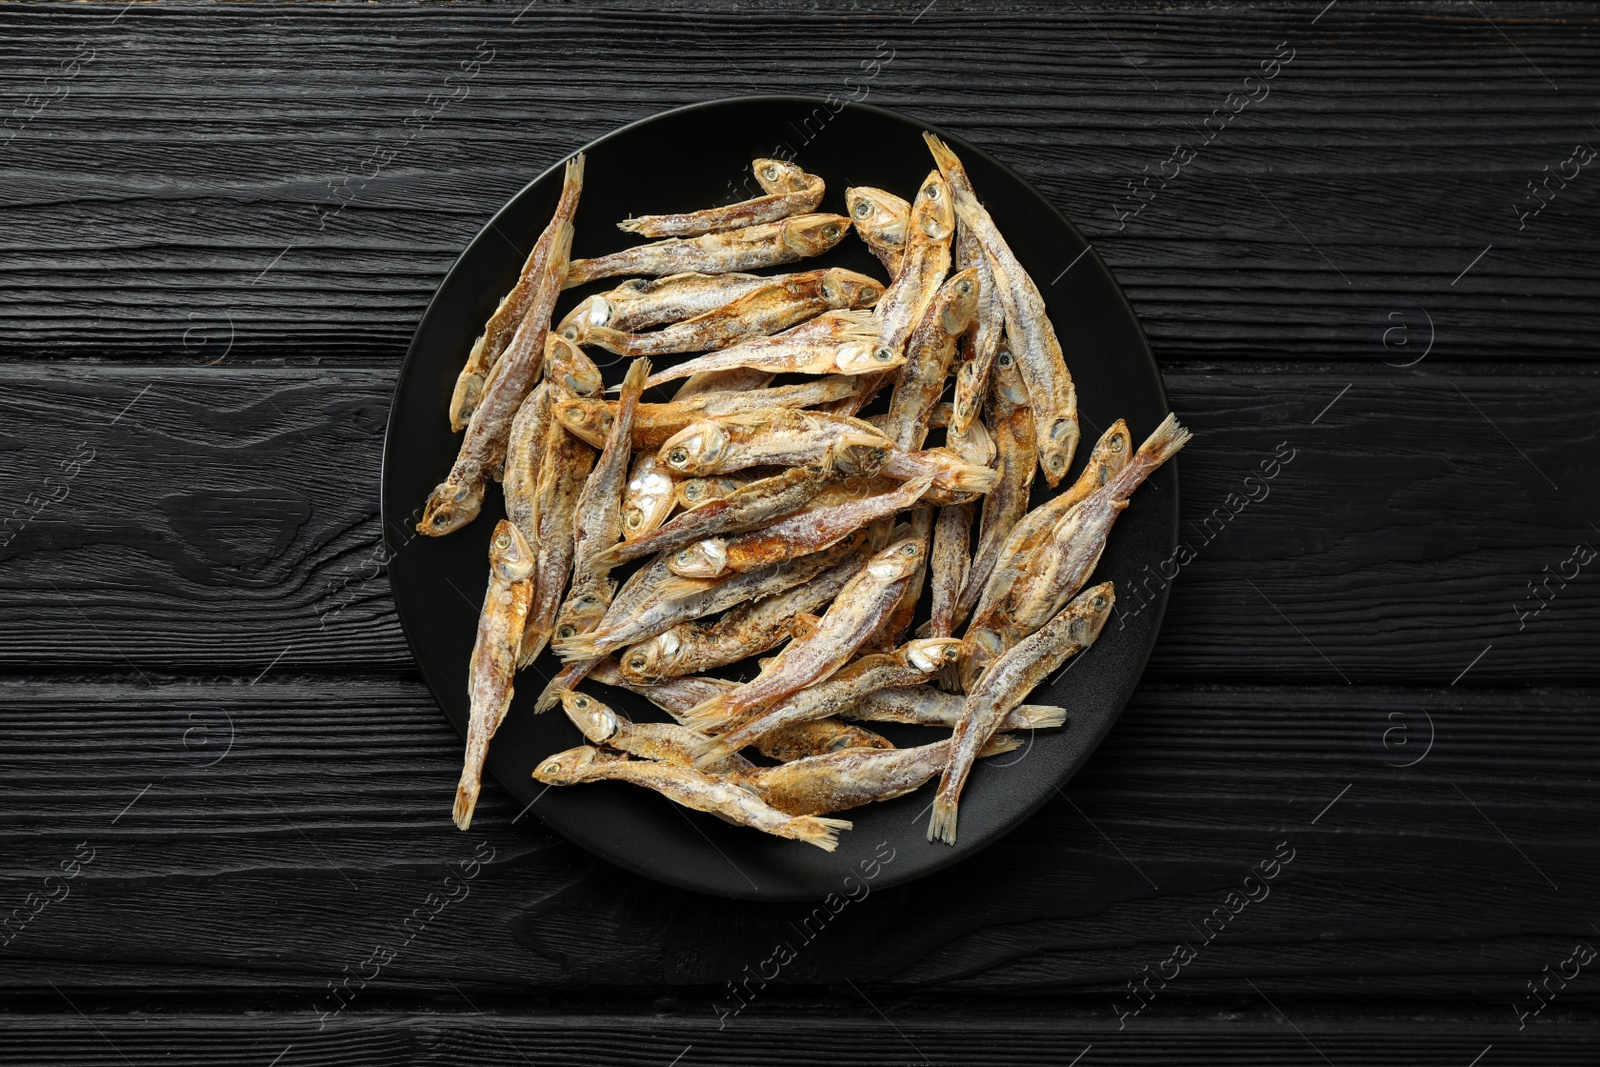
(503,541)
(1116,443)
(677,456)
(830,231)
(638,663)
(570,333)
(634,519)
(566,631)
(882,355)
(581,702)
(441,519)
(769,172)
(551,767)
(964,288)
(908,550)
(1004,359)
(863,209)
(1098,602)
(692,491)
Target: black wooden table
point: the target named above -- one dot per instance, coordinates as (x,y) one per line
(224,790)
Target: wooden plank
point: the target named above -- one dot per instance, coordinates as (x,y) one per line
(854,1036)
(229,518)
(1390,152)
(268,866)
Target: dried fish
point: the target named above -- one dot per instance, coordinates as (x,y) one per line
(881,219)
(566,366)
(798,193)
(915,662)
(648,497)
(665,741)
(653,424)
(457,500)
(785,303)
(848,351)
(494,657)
(1004,685)
(922,705)
(524,456)
(1032,338)
(563,472)
(692,789)
(840,780)
(640,303)
(979,346)
(857,611)
(929,352)
(732,250)
(949,561)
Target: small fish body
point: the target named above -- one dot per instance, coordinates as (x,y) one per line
(524,456)
(746,630)
(773,308)
(669,742)
(979,346)
(767,437)
(930,349)
(1033,340)
(949,560)
(747,248)
(819,785)
(746,508)
(859,609)
(676,696)
(923,705)
(1005,684)
(653,424)
(640,303)
(1030,528)
(790,191)
(798,535)
(692,789)
(844,347)
(917,661)
(457,500)
(881,220)
(494,657)
(563,471)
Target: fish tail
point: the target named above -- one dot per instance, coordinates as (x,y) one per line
(632,225)
(943,157)
(959,477)
(824,833)
(533,642)
(567,678)
(999,745)
(578,646)
(714,749)
(942,823)
(708,713)
(1039,716)
(467,788)
(1165,442)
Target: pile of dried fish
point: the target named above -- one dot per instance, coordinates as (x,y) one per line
(768,513)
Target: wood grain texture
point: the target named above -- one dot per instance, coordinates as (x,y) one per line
(261,838)
(172,198)
(230,517)
(856,1036)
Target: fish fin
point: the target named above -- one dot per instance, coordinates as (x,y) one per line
(1038,717)
(466,799)
(824,833)
(678,587)
(999,745)
(966,478)
(1166,440)
(925,630)
(711,751)
(709,713)
(633,225)
(578,646)
(606,559)
(942,823)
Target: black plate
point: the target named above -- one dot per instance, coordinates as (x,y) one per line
(694,157)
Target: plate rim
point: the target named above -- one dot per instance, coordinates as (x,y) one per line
(964,148)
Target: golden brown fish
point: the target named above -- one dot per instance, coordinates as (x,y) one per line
(930,350)
(881,219)
(639,303)
(732,250)
(795,192)
(840,780)
(923,705)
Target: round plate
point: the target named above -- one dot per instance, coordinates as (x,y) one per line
(691,158)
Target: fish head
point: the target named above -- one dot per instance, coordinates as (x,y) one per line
(1091,610)
(778,176)
(703,559)
(580,615)
(900,560)
(932,653)
(588,419)
(959,302)
(846,289)
(510,558)
(1061,441)
(1007,378)
(591,311)
(651,661)
(812,235)
(569,767)
(878,213)
(598,722)
(865,357)
(692,492)
(933,212)
(451,507)
(1111,452)
(567,365)
(696,449)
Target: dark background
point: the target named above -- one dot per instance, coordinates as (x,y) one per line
(218,236)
